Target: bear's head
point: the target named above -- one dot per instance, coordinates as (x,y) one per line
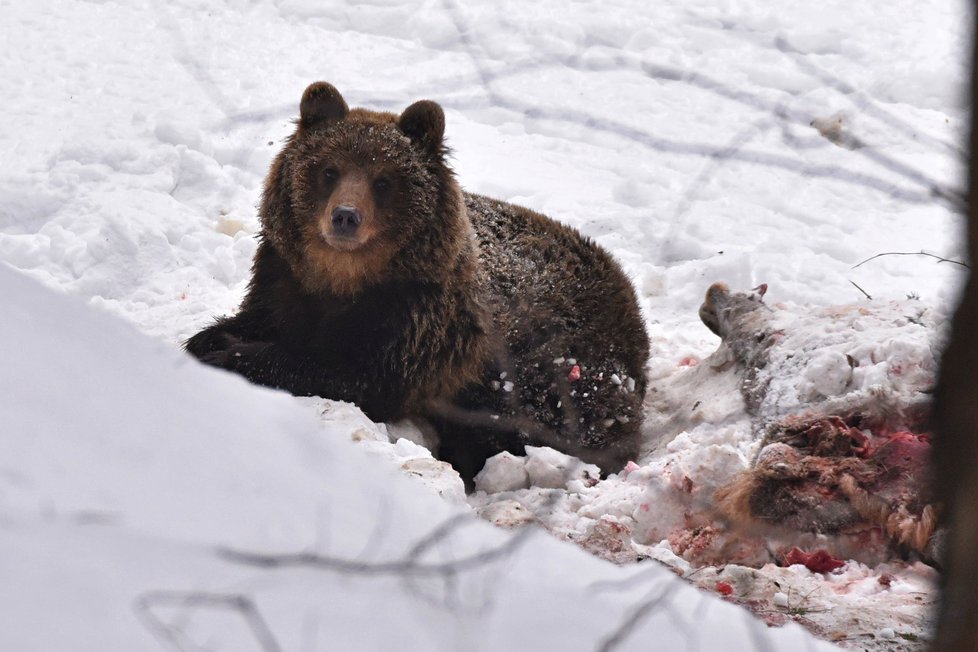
(360,197)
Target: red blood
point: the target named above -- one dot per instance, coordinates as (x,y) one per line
(574,374)
(819,561)
(631,466)
(724,588)
(903,452)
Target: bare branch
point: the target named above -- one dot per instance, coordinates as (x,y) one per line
(634,618)
(940,259)
(408,566)
(174,636)
(861,290)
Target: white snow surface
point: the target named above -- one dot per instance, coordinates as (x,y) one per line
(748,142)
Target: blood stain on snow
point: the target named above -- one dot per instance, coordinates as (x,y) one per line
(629,468)
(819,561)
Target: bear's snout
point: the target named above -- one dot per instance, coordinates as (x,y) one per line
(345,220)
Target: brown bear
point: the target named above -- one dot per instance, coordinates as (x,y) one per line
(378,281)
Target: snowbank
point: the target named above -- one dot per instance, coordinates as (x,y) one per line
(131,476)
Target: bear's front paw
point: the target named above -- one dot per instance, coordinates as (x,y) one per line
(239,356)
(209,341)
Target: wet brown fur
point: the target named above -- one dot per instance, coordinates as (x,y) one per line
(438,301)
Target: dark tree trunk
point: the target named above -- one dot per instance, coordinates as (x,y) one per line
(956,441)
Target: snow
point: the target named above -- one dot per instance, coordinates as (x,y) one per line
(750,142)
(129,472)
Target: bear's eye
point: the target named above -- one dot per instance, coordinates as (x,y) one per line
(382,185)
(330,174)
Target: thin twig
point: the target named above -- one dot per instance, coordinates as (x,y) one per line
(940,259)
(638,613)
(861,290)
(409,566)
(174,636)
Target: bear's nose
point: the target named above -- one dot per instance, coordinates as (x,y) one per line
(346,219)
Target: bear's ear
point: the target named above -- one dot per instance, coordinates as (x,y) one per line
(321,103)
(424,123)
